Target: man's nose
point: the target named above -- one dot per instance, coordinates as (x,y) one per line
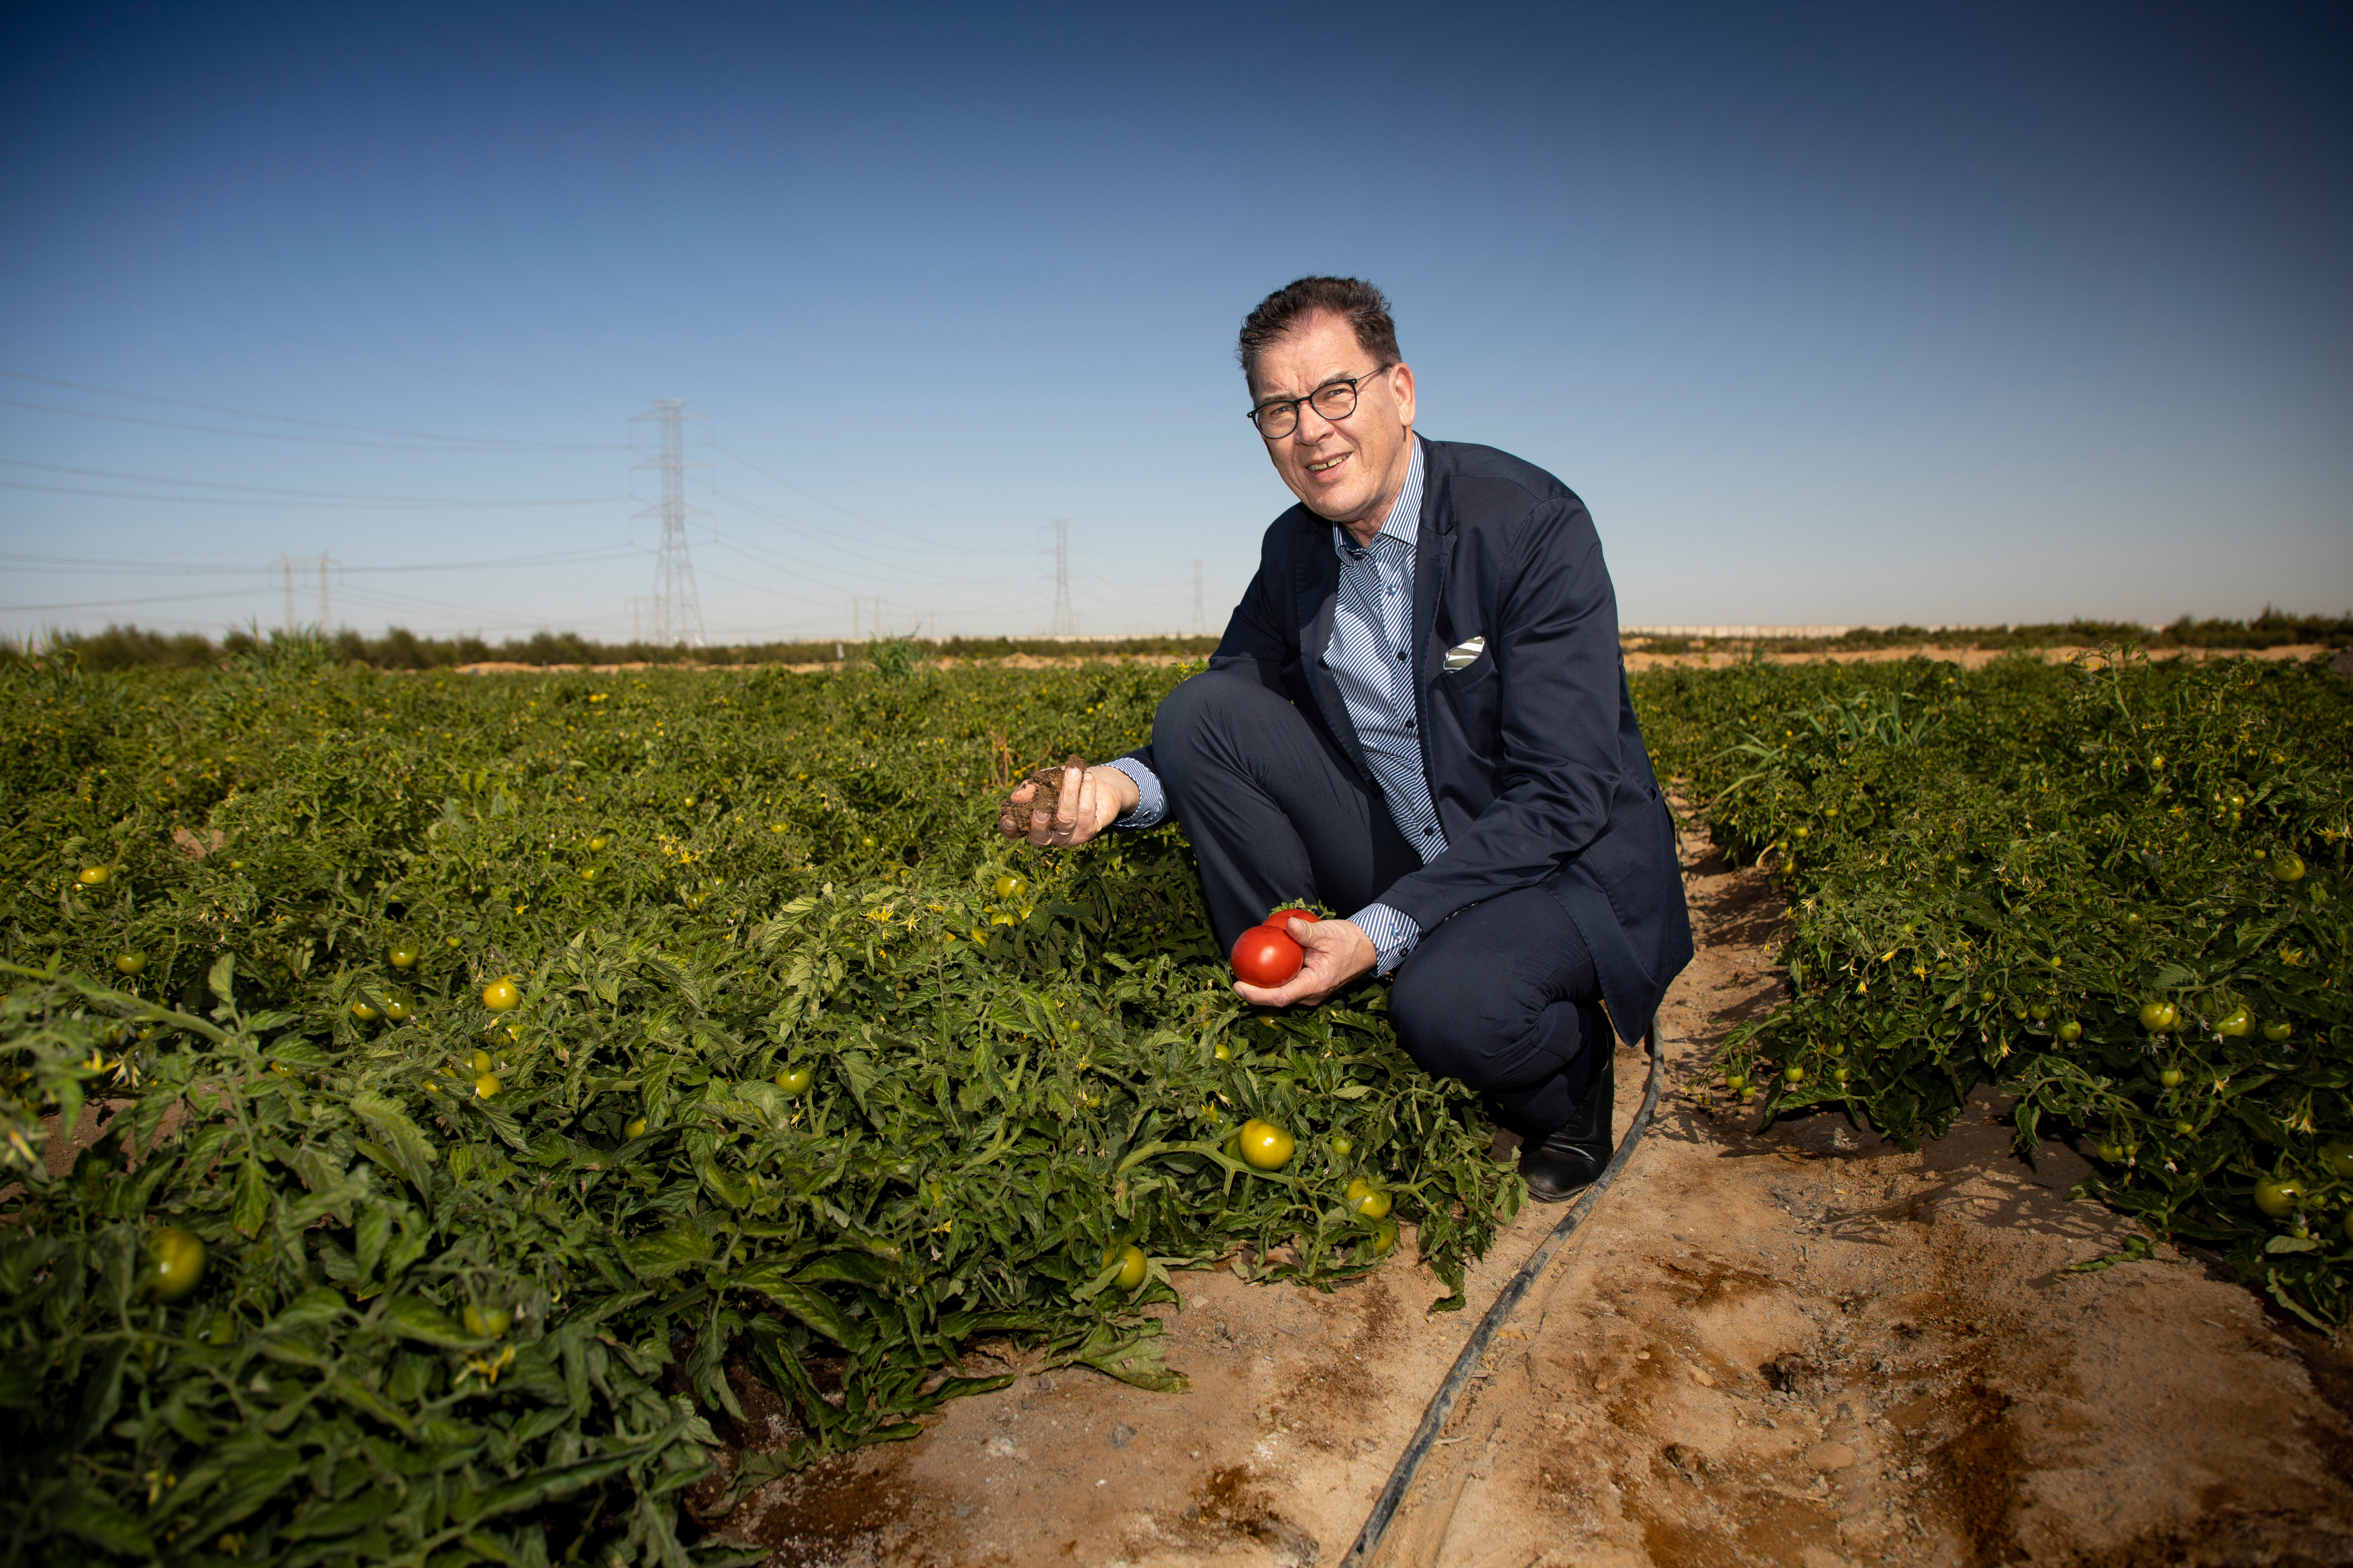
(1312,426)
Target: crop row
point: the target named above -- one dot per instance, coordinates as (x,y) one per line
(2115,890)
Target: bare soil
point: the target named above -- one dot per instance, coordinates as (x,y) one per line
(1802,1347)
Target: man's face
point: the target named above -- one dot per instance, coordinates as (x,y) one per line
(1348,469)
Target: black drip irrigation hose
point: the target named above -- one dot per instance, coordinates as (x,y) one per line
(1442,1403)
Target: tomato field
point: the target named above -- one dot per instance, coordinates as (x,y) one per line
(532,1052)
(501,1068)
(2116,890)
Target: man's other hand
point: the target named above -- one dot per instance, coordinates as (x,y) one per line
(1091,800)
(1337,952)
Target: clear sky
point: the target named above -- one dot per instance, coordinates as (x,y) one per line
(1831,314)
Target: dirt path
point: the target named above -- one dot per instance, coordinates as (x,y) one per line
(1804,1348)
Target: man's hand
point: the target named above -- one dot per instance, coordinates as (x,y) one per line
(1337,952)
(1091,800)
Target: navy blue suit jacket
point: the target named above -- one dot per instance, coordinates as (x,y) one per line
(1534,759)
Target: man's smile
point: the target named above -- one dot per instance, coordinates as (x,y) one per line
(1328,464)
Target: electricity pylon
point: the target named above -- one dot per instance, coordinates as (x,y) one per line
(677,607)
(1066,618)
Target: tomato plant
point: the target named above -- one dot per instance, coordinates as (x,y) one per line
(614,1165)
(2116,888)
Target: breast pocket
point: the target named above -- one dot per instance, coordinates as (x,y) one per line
(1474,696)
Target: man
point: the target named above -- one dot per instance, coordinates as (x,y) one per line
(1419,713)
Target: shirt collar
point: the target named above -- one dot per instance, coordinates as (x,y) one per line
(1403,523)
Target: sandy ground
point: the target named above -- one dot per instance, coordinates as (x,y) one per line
(1804,1347)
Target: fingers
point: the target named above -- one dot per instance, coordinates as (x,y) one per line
(1006,822)
(1071,824)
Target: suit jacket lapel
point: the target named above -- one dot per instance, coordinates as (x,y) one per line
(1433,556)
(1318,579)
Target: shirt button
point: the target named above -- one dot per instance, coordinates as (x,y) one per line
(1401,653)
(1430,833)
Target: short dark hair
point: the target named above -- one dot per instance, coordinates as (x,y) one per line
(1364,308)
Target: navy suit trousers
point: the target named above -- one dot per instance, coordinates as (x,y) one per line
(1501,995)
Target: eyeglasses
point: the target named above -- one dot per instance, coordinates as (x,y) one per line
(1334,400)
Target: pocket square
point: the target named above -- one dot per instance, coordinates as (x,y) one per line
(1463,654)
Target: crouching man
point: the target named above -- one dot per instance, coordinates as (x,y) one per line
(1419,713)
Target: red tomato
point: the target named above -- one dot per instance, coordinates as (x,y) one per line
(1264,956)
(1280,919)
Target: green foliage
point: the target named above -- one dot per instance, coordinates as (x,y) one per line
(129,648)
(1993,873)
(476,1279)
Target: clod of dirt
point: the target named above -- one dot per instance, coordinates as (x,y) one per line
(1049,795)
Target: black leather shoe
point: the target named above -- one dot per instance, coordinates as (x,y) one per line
(1571,1157)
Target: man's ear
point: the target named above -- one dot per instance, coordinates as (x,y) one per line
(1401,386)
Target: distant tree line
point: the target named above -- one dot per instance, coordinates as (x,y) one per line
(131,646)
(2272,628)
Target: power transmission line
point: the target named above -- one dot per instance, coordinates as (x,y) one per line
(1066,618)
(677,608)
(283,436)
(471,442)
(282,490)
(214,568)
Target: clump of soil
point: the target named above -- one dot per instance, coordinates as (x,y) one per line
(1047,785)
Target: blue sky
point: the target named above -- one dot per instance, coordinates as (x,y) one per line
(1831,314)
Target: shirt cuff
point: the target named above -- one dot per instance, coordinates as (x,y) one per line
(1152,801)
(1394,934)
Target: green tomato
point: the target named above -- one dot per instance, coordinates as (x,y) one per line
(176,1262)
(2070,1030)
(131,962)
(1838,1075)
(1009,887)
(2183,1129)
(403,958)
(1385,1237)
(94,876)
(1343,1146)
(1133,1265)
(2278,1198)
(1793,1074)
(796,1080)
(2169,1076)
(2277,1032)
(2157,1017)
(487,1322)
(2237,1023)
(636,1128)
(1367,1200)
(1265,1146)
(2339,1157)
(501,994)
(2287,868)
(363,1012)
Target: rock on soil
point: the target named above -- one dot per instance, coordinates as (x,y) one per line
(1804,1348)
